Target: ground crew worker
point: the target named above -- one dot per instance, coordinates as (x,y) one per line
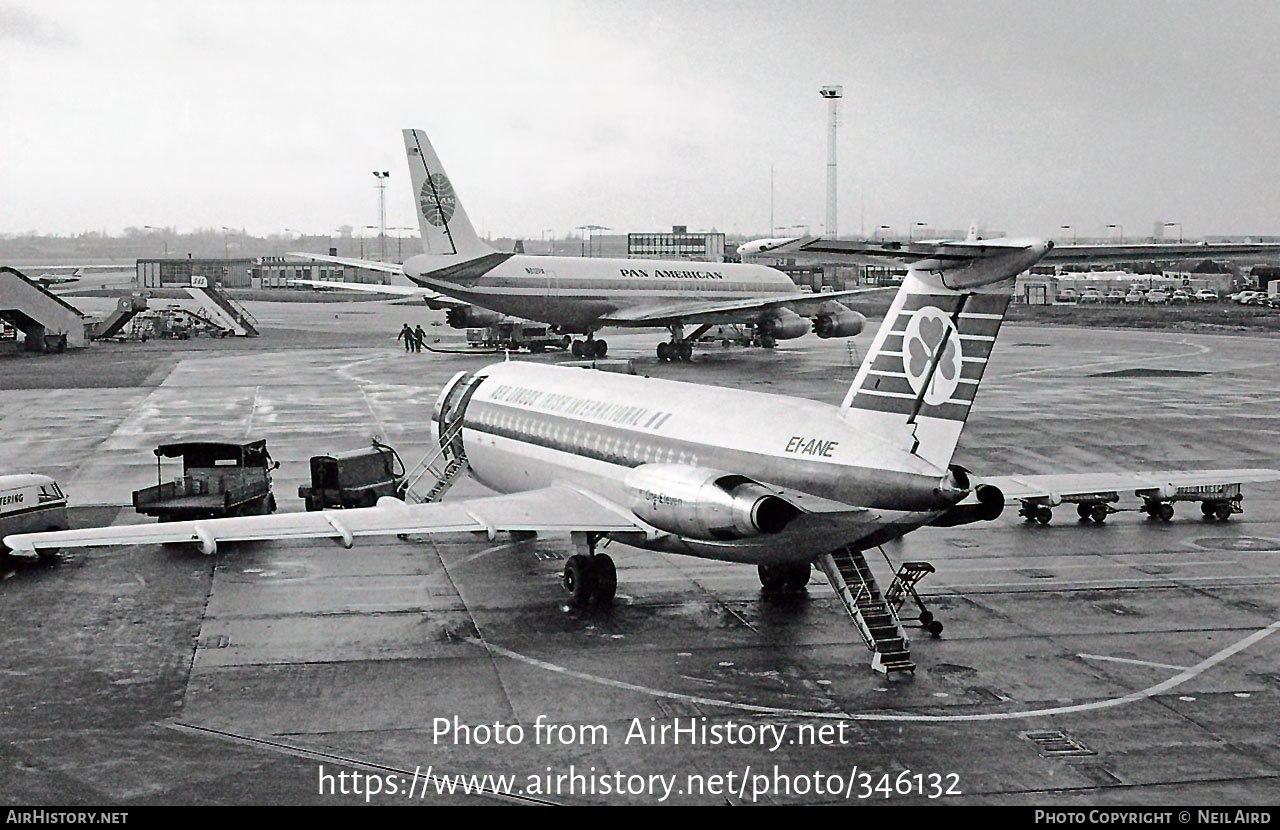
(406,334)
(421,338)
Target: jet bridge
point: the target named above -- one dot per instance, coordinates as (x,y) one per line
(49,322)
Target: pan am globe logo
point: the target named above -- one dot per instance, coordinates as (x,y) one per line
(930,333)
(436,200)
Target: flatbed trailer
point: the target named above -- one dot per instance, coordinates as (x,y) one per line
(218,479)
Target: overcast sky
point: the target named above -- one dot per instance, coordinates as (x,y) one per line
(272,115)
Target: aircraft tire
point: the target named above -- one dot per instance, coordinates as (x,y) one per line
(664,351)
(1083,511)
(605,576)
(685,351)
(1098,513)
(798,575)
(601,348)
(1044,514)
(578,579)
(1165,512)
(772,577)
(767,342)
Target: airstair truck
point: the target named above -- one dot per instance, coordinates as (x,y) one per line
(218,479)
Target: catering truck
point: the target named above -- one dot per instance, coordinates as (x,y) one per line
(30,503)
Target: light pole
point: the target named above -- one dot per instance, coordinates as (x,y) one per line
(382,177)
(586,234)
(1073,232)
(163,238)
(1120,230)
(911,230)
(399,258)
(366,228)
(1179,224)
(225,231)
(876,236)
(551,231)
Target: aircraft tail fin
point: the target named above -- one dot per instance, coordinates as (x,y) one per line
(446,230)
(919,379)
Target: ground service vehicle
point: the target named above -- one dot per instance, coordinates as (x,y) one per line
(31,503)
(218,479)
(356,478)
(517,334)
(1157,296)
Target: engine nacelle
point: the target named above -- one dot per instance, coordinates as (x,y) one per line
(846,323)
(784,324)
(466,317)
(989,507)
(705,504)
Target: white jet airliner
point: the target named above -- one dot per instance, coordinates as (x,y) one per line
(582,295)
(770,480)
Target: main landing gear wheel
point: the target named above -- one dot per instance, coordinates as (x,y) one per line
(589,348)
(788,576)
(606,578)
(682,351)
(590,580)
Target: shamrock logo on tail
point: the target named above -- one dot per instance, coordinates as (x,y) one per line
(931,333)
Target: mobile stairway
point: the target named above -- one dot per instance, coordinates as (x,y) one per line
(875,618)
(113,326)
(443,468)
(220,307)
(48,322)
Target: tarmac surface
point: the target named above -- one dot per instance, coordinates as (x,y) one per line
(157,675)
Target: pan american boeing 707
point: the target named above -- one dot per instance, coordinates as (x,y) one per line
(778,482)
(579,295)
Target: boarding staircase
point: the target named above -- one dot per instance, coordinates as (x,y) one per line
(876,620)
(443,468)
(48,322)
(127,308)
(219,306)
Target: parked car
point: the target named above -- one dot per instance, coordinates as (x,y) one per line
(1115,295)
(1157,296)
(1068,295)
(1135,298)
(1091,295)
(1179,297)
(1206,295)
(1249,297)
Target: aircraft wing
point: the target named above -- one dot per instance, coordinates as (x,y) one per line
(435,300)
(1158,251)
(735,311)
(945,254)
(368,264)
(1167,483)
(553,509)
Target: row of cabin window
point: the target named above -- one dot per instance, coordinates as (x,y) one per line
(585,438)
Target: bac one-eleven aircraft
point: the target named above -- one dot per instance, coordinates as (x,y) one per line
(778,482)
(582,295)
